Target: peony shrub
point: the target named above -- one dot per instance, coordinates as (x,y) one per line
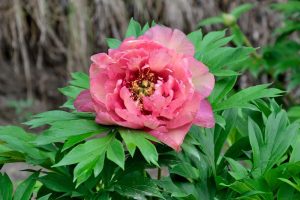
(158,117)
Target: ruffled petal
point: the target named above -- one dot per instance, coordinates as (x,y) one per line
(205,115)
(203,81)
(173,137)
(172,39)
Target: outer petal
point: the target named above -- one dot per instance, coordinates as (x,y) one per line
(203,81)
(175,40)
(174,137)
(84,103)
(205,116)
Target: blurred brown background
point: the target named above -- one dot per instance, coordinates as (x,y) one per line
(41,41)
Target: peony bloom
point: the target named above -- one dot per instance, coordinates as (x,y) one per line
(151,83)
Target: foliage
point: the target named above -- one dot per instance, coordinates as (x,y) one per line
(251,153)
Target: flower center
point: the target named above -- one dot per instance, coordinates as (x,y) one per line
(143,85)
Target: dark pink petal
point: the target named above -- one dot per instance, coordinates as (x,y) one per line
(205,115)
(83,102)
(172,39)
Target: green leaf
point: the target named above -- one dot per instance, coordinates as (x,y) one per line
(185,170)
(90,149)
(71,91)
(140,139)
(294,113)
(238,171)
(18,140)
(238,11)
(226,72)
(137,186)
(113,43)
(167,184)
(278,137)
(294,185)
(62,130)
(46,197)
(196,38)
(7,191)
(221,89)
(134,29)
(25,189)
(80,79)
(84,169)
(57,182)
(211,20)
(99,165)
(285,192)
(213,40)
(244,97)
(76,139)
(215,59)
(49,117)
(145,28)
(115,153)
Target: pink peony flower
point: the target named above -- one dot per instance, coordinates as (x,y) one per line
(151,83)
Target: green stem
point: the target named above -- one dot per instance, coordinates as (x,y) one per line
(158,173)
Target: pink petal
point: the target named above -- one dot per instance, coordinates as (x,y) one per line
(158,60)
(83,102)
(205,116)
(203,81)
(172,39)
(130,104)
(104,118)
(130,120)
(173,137)
(187,113)
(101,60)
(97,87)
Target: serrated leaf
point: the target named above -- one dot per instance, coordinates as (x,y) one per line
(92,148)
(18,140)
(50,117)
(84,169)
(115,153)
(62,130)
(140,139)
